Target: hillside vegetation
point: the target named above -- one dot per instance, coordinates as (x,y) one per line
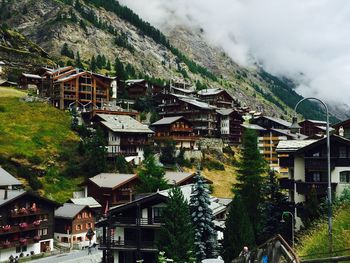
(38,137)
(314,244)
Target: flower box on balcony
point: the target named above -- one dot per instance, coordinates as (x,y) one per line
(23,211)
(6,244)
(36,239)
(22,241)
(36,223)
(23,225)
(33,209)
(6,228)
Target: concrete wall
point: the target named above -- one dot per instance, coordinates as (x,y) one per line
(335,175)
(83,243)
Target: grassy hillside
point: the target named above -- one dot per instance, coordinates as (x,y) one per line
(37,136)
(222,181)
(314,244)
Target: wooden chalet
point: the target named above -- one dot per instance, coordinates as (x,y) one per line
(313,128)
(72,222)
(230,122)
(136,88)
(30,81)
(26,223)
(176,129)
(130,231)
(217,97)
(115,189)
(202,115)
(125,135)
(82,90)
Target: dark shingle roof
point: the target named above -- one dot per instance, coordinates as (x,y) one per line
(68,210)
(167,120)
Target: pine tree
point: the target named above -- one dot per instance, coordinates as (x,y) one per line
(205,239)
(78,62)
(151,177)
(119,69)
(93,65)
(238,230)
(176,233)
(272,208)
(108,67)
(251,168)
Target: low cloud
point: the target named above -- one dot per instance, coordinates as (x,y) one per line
(308,41)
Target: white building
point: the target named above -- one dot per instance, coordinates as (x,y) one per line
(125,135)
(306,161)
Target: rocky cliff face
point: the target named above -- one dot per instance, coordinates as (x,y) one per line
(51,23)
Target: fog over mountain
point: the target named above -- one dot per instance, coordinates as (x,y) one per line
(305,40)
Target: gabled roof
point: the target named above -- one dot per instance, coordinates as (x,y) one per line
(253,126)
(277,120)
(225,111)
(134,81)
(15,194)
(333,138)
(69,77)
(188,91)
(199,104)
(89,201)
(290,146)
(288,133)
(208,92)
(112,180)
(6,179)
(322,123)
(167,120)
(33,76)
(69,211)
(123,123)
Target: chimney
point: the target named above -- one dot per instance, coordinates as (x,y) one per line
(341,131)
(5,194)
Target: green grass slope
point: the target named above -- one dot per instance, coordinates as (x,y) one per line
(37,136)
(314,244)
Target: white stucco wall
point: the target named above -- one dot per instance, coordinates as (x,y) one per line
(335,175)
(6,253)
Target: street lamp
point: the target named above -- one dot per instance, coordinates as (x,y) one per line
(294,127)
(283,221)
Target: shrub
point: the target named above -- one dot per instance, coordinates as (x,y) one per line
(35,159)
(228,150)
(34,182)
(2,108)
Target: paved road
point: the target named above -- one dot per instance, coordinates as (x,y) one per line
(76,256)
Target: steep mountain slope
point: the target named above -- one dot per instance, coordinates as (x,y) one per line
(20,53)
(95,27)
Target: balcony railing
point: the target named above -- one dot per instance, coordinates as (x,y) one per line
(129,244)
(307,187)
(286,183)
(321,162)
(25,212)
(286,162)
(137,221)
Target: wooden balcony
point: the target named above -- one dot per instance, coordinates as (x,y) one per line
(286,183)
(133,221)
(286,162)
(24,212)
(181,129)
(320,187)
(176,138)
(129,245)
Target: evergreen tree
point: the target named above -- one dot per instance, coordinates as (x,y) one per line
(176,233)
(238,230)
(251,168)
(272,208)
(122,165)
(151,177)
(108,67)
(119,69)
(65,51)
(78,62)
(167,153)
(93,65)
(205,239)
(95,153)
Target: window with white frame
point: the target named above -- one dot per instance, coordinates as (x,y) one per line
(316,176)
(344,177)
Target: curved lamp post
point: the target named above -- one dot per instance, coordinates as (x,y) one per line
(283,221)
(294,128)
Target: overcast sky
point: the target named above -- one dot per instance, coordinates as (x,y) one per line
(308,40)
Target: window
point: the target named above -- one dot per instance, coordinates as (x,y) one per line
(157,212)
(316,177)
(342,152)
(317,154)
(42,232)
(344,177)
(77,227)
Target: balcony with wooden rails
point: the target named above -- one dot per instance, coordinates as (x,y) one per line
(129,245)
(320,187)
(286,183)
(177,138)
(135,222)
